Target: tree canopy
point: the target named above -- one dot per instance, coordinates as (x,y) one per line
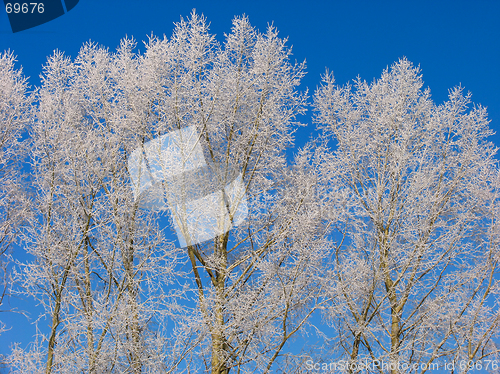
(175,227)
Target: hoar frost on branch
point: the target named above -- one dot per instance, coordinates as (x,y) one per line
(14,118)
(414,187)
(386,223)
(118,295)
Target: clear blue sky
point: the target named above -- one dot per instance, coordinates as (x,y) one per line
(454,42)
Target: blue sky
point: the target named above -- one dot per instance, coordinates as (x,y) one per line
(454,42)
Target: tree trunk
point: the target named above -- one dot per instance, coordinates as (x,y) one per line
(219,345)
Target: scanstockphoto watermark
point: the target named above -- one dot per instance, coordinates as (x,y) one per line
(366,366)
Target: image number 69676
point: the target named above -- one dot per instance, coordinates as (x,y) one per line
(24,8)
(25,15)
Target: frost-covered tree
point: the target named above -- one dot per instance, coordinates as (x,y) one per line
(100,270)
(188,137)
(14,118)
(172,231)
(414,188)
